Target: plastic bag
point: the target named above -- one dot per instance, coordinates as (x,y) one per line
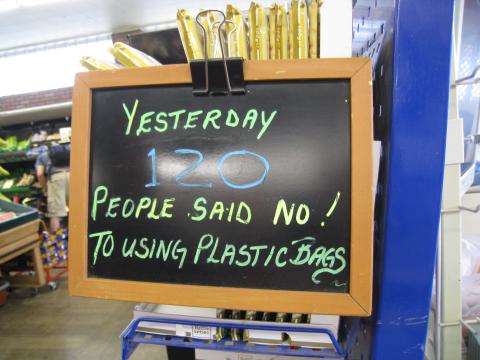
(470,277)
(471,296)
(470,255)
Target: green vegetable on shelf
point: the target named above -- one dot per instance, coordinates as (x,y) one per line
(4,172)
(12,143)
(4,198)
(7,184)
(9,145)
(23,145)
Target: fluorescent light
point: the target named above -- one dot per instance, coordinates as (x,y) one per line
(6,5)
(28,3)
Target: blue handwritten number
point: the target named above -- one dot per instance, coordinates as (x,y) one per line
(190,169)
(153,154)
(248,185)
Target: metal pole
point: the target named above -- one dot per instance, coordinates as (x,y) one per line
(438,296)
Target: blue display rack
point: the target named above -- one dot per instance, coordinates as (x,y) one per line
(410,43)
(411,111)
(131,338)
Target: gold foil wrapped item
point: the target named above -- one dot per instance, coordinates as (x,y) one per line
(298,31)
(92,64)
(314,28)
(258,32)
(278,32)
(189,33)
(131,57)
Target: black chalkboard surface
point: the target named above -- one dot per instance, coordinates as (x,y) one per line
(302,157)
(261,201)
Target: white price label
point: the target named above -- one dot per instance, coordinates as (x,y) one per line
(202,332)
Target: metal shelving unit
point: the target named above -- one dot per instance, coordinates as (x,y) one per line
(14,156)
(410,42)
(11,157)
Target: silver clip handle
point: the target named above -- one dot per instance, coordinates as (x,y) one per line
(204,31)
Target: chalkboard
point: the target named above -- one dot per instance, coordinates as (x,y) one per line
(239,193)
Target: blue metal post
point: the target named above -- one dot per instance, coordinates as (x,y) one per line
(415,151)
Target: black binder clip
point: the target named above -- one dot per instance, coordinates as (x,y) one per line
(217,76)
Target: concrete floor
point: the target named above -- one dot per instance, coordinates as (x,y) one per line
(55,326)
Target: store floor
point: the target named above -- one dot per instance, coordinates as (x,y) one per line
(55,326)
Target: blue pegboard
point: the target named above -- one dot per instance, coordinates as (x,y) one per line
(411,110)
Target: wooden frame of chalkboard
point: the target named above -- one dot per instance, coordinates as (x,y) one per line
(356,301)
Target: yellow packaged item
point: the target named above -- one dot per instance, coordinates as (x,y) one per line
(303,29)
(281,317)
(271,30)
(278,32)
(296,318)
(210,22)
(90,63)
(131,57)
(221,332)
(314,36)
(290,33)
(298,29)
(236,334)
(258,32)
(237,42)
(189,33)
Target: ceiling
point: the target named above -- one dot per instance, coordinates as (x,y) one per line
(51,20)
